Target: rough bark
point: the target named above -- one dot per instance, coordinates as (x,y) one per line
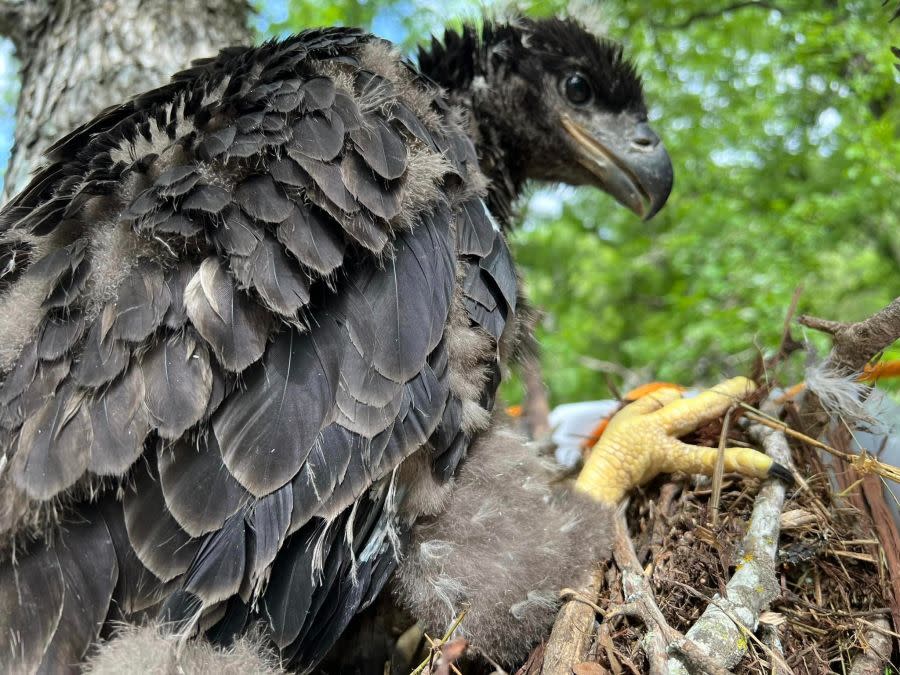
(80,56)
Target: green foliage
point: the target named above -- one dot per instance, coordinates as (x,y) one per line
(406,22)
(784,127)
(302,15)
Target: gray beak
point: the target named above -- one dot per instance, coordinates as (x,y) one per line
(628,161)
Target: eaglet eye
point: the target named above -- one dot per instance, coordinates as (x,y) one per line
(577,89)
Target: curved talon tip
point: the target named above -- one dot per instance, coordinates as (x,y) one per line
(782,473)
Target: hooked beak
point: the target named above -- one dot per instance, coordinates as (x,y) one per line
(629,162)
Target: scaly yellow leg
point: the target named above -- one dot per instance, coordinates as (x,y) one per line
(641,442)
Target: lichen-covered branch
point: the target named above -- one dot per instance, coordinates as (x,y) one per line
(753,585)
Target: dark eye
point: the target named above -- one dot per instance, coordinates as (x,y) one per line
(577,89)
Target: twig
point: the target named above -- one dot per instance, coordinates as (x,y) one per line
(663,507)
(786,347)
(640,603)
(720,630)
(696,658)
(630,378)
(428,660)
(772,640)
(572,594)
(726,610)
(863,462)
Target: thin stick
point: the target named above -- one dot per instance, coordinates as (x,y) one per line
(719,469)
(458,620)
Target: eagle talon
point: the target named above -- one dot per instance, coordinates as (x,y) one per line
(641,441)
(782,473)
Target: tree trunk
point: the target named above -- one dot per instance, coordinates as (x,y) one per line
(80,56)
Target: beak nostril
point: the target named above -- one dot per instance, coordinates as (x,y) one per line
(644,137)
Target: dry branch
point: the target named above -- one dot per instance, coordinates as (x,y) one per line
(856,343)
(873,660)
(753,585)
(639,598)
(571,635)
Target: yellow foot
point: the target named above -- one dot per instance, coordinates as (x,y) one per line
(641,441)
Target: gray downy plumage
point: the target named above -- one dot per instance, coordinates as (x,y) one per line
(252,321)
(159,653)
(503,548)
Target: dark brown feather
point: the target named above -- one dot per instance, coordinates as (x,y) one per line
(141,302)
(319,135)
(267,526)
(284,287)
(54,445)
(327,177)
(31,600)
(318,93)
(198,490)
(312,238)
(235,327)
(120,424)
(216,572)
(382,198)
(86,556)
(262,199)
(178,382)
(266,431)
(381,147)
(238,235)
(101,359)
(159,543)
(207,199)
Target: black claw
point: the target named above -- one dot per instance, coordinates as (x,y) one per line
(782,473)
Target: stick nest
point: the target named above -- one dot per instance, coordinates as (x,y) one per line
(833,582)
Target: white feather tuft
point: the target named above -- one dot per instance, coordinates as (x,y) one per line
(841,395)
